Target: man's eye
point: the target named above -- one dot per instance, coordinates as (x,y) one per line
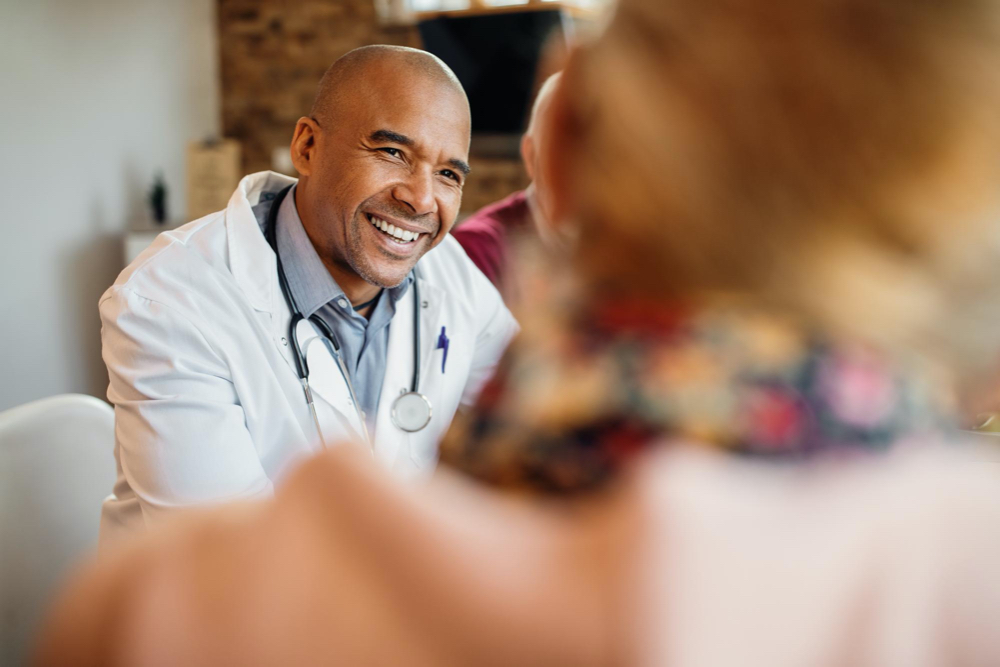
(394,152)
(448,173)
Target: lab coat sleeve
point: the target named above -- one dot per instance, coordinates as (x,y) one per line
(180,430)
(498,328)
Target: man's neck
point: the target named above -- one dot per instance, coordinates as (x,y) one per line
(356,289)
(365,309)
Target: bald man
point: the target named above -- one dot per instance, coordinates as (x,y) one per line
(310,313)
(488,234)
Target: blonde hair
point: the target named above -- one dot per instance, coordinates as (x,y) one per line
(838,158)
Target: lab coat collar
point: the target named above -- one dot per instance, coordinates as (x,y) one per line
(251,259)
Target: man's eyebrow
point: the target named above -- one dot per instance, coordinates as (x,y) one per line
(403,140)
(391,137)
(461,165)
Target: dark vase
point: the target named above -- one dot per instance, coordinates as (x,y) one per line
(158,200)
(160,212)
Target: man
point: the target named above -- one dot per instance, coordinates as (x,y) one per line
(487,235)
(209,381)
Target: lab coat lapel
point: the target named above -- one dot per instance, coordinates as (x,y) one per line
(250,256)
(391,443)
(432,301)
(280,318)
(253,261)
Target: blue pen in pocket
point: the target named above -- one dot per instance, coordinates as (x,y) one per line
(442,344)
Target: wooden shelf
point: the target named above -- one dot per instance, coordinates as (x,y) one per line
(478,8)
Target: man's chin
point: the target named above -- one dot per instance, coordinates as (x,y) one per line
(382,277)
(378,266)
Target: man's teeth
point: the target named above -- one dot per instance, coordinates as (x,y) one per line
(399,234)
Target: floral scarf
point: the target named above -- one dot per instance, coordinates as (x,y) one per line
(566,411)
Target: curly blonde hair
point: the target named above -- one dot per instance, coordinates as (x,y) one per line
(838,158)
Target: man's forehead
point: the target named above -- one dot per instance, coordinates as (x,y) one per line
(432,126)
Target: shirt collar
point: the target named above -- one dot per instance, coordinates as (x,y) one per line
(309,281)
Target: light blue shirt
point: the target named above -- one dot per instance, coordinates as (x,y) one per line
(364,343)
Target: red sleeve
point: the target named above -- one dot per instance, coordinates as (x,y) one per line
(483,241)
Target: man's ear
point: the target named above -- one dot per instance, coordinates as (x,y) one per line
(560,134)
(528,155)
(303,147)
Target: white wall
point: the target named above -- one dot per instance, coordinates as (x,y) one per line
(96,96)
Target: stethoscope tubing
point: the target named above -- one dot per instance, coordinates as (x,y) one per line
(301,362)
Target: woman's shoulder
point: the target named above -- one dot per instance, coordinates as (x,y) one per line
(900,547)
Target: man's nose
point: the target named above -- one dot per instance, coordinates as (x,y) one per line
(417,192)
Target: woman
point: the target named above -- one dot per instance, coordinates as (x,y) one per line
(785,241)
(763,268)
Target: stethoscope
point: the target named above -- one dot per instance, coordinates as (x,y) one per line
(411,411)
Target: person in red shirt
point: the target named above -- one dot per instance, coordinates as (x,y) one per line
(487,235)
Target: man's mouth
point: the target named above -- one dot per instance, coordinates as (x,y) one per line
(397,234)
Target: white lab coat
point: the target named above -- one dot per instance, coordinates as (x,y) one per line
(208,405)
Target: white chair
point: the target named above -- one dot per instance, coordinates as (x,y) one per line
(56,466)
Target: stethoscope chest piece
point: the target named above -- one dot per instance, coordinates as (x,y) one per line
(411,412)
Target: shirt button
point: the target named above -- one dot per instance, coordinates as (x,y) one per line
(284,341)
(343,303)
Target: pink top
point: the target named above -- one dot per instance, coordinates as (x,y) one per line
(696,558)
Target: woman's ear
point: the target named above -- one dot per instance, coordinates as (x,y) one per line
(303,146)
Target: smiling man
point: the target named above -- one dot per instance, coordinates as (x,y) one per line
(335,308)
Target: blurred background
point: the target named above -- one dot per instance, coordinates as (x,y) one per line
(123,118)
(108,105)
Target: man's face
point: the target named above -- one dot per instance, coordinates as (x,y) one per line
(385,176)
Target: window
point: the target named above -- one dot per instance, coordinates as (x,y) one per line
(405,11)
(458,5)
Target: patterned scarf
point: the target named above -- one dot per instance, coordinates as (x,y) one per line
(567,410)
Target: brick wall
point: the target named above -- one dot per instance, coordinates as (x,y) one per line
(274,52)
